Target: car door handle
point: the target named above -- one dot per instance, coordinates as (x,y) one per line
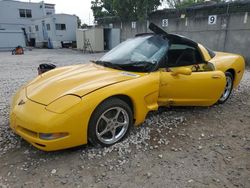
(216,76)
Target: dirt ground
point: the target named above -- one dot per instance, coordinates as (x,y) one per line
(175,147)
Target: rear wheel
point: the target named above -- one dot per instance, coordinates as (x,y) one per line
(228,88)
(110,122)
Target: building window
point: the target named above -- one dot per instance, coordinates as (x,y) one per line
(48,27)
(50,6)
(48,13)
(60,27)
(28,13)
(36,27)
(25,13)
(22,13)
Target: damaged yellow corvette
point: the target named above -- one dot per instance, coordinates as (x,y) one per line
(100,101)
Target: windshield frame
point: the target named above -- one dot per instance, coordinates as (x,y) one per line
(158,43)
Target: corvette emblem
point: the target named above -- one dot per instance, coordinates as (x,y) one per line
(129,74)
(21,103)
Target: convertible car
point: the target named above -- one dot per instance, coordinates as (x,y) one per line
(99,101)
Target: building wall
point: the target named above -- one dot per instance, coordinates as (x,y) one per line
(10,18)
(55,36)
(71,25)
(95,37)
(11,39)
(80,38)
(113,37)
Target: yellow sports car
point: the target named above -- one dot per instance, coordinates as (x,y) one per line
(100,101)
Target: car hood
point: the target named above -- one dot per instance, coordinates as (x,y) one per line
(78,80)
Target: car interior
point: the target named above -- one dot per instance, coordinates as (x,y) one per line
(181,54)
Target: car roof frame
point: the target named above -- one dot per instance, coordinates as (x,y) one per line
(173,38)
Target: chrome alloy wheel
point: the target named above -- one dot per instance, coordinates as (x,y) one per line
(228,88)
(112,125)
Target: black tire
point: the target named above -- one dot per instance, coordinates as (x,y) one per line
(99,122)
(228,88)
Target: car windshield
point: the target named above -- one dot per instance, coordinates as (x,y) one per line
(140,54)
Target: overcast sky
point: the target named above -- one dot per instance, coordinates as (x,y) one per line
(80,8)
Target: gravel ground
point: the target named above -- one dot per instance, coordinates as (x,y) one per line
(175,147)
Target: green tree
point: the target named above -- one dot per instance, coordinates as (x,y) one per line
(125,10)
(84,26)
(185,3)
(79,22)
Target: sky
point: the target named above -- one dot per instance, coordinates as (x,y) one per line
(80,8)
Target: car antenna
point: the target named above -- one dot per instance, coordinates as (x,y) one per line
(157,30)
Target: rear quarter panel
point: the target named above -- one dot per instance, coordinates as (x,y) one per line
(227,61)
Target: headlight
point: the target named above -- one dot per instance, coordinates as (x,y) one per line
(63,104)
(52,136)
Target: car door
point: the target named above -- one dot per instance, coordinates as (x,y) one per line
(197,89)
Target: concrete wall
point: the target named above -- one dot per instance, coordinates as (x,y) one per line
(231,33)
(126,30)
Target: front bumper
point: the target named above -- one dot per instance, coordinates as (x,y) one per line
(31,118)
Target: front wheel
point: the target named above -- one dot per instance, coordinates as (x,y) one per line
(228,89)
(110,122)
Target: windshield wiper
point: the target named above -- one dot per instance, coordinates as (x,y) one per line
(140,63)
(108,64)
(146,65)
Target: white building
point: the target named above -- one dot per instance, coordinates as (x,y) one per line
(54,29)
(27,17)
(18,15)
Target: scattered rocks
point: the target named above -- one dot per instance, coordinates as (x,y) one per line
(149,175)
(190,181)
(160,156)
(139,138)
(216,180)
(53,171)
(200,147)
(174,149)
(3,185)
(64,181)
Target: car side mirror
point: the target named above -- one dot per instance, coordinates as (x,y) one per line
(181,70)
(45,67)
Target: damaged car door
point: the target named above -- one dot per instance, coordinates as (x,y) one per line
(182,87)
